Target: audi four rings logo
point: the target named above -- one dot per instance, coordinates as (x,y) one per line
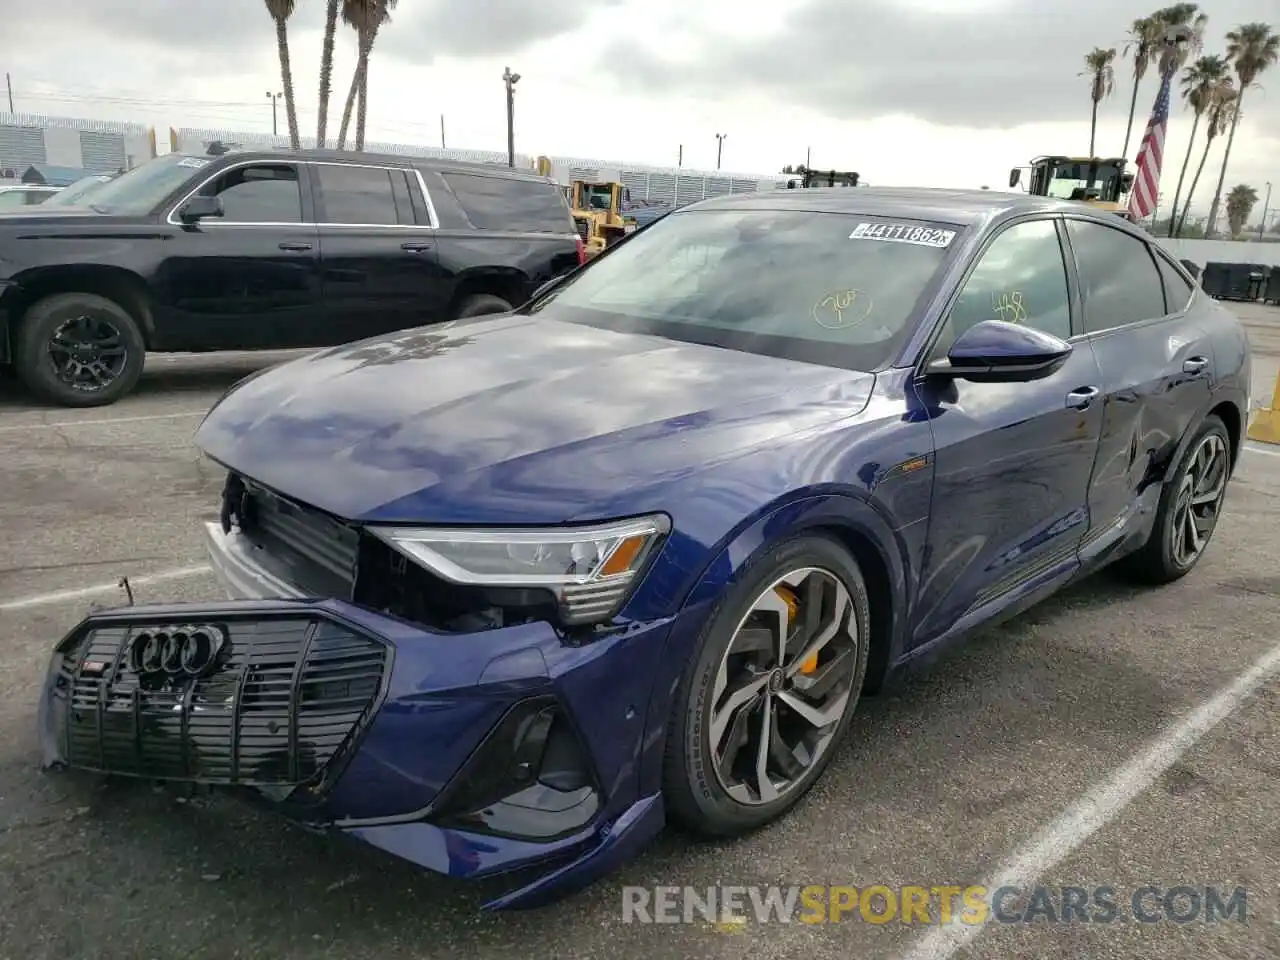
(185,651)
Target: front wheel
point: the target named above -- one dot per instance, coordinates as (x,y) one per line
(79,350)
(1189,509)
(771,690)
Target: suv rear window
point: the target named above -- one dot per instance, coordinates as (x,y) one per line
(831,288)
(505,203)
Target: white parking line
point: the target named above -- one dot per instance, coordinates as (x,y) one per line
(1101,805)
(1263,450)
(62,596)
(63,424)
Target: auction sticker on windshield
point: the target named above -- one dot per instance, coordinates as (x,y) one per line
(903,233)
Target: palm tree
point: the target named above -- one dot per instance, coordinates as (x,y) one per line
(281,11)
(367,17)
(1146,39)
(1224,105)
(1251,48)
(1198,83)
(1099,68)
(1143,37)
(326,69)
(1240,203)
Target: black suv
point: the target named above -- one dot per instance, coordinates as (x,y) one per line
(269,250)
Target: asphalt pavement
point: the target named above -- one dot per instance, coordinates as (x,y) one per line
(1111,738)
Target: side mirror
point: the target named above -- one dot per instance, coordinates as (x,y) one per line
(1126,183)
(993,351)
(198,208)
(1015,176)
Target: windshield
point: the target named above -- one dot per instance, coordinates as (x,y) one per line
(75,193)
(1083,181)
(140,190)
(836,289)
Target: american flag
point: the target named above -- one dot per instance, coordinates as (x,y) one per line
(1146,183)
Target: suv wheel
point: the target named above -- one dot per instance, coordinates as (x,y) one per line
(79,350)
(770,693)
(482,304)
(1189,508)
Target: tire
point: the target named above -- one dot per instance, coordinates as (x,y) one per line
(1158,561)
(36,362)
(696,796)
(482,304)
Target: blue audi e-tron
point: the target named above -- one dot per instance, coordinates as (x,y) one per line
(511,594)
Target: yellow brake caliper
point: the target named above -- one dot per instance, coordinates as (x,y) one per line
(789,597)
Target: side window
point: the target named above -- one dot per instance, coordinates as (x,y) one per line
(1177,291)
(1020,278)
(506,203)
(262,193)
(356,195)
(1118,281)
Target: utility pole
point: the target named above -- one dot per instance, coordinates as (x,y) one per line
(442,131)
(680,156)
(808,152)
(275,99)
(1266,205)
(720,138)
(8,82)
(511,79)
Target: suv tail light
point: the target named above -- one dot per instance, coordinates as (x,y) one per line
(582,252)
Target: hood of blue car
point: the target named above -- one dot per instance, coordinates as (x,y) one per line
(513,419)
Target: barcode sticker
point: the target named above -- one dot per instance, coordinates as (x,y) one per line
(903,233)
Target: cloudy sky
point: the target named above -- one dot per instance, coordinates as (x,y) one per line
(931,92)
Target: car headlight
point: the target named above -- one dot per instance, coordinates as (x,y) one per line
(591,571)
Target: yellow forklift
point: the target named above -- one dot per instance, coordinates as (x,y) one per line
(1102,183)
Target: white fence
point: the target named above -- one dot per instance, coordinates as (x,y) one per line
(1223,251)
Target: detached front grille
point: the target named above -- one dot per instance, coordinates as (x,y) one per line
(282,700)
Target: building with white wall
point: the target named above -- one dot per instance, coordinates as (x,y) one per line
(671,185)
(96,146)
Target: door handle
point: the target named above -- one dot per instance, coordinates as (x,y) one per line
(295,246)
(1080,398)
(1195,365)
(415,246)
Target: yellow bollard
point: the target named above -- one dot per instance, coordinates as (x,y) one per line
(1265,426)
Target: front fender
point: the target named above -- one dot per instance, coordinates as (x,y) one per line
(849,516)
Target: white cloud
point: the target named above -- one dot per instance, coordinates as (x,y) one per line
(920,92)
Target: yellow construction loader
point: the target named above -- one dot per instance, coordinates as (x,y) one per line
(597,213)
(1099,182)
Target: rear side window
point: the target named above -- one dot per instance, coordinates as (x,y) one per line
(1118,278)
(356,196)
(503,203)
(1177,291)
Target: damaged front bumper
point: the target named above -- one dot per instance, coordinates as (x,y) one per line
(472,755)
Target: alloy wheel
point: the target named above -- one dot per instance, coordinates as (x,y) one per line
(1199,499)
(87,353)
(783,685)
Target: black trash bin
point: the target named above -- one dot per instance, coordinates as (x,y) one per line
(1215,278)
(1271,294)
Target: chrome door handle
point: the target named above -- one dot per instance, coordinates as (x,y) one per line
(294,246)
(1080,399)
(1195,365)
(415,246)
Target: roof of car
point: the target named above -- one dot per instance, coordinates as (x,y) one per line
(917,203)
(391,159)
